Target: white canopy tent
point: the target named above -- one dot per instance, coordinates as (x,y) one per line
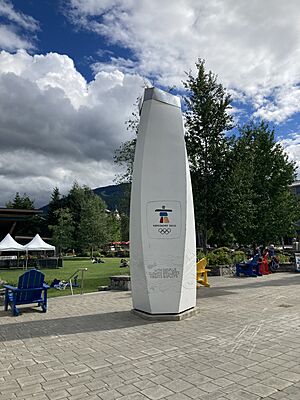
(9,244)
(38,244)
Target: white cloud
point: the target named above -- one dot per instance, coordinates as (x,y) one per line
(291,145)
(253,46)
(10,40)
(55,127)
(25,21)
(11,37)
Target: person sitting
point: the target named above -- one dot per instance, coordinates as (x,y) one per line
(124,263)
(249,268)
(96,260)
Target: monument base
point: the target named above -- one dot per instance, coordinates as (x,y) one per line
(166,317)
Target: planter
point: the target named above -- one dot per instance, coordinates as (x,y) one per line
(120,282)
(227,270)
(286,267)
(221,270)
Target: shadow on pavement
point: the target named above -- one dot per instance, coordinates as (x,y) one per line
(253,283)
(213,292)
(262,281)
(69,325)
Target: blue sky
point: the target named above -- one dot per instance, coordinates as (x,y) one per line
(71,70)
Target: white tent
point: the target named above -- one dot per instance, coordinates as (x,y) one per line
(9,244)
(37,244)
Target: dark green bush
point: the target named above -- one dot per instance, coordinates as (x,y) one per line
(238,256)
(222,256)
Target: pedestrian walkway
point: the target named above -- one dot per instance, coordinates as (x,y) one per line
(243,344)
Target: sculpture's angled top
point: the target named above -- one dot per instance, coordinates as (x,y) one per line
(159,95)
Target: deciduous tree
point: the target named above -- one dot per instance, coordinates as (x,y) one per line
(92,229)
(62,232)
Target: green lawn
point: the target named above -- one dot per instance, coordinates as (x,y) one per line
(96,275)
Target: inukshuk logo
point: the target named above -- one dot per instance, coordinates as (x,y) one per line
(164,219)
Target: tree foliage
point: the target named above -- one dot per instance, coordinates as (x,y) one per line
(63,231)
(30,225)
(54,205)
(93,227)
(207,120)
(21,202)
(240,184)
(263,208)
(124,155)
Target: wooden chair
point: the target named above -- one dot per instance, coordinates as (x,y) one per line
(264,265)
(250,268)
(31,289)
(202,278)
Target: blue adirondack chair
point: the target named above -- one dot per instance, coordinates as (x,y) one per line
(31,289)
(250,268)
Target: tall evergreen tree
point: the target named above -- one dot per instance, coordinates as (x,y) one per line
(75,201)
(263,205)
(54,205)
(33,223)
(207,120)
(22,202)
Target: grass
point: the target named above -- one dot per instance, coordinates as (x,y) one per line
(96,275)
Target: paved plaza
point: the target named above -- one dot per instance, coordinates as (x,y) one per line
(243,344)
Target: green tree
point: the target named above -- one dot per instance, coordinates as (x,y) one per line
(124,227)
(92,229)
(207,120)
(30,225)
(63,231)
(75,201)
(54,205)
(124,155)
(21,202)
(113,226)
(263,207)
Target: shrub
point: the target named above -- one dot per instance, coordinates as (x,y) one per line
(222,256)
(200,254)
(238,256)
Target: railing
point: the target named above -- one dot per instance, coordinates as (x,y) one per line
(75,274)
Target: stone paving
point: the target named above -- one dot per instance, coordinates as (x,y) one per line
(243,344)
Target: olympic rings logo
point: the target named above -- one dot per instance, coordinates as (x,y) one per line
(164,231)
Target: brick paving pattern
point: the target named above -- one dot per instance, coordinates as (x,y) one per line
(243,344)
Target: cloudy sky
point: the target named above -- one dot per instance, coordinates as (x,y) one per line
(71,70)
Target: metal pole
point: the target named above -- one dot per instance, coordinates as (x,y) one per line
(81,292)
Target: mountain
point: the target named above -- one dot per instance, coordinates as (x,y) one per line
(115,196)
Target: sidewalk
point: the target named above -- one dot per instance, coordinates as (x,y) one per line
(243,344)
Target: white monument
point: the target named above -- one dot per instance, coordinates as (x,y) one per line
(162,227)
